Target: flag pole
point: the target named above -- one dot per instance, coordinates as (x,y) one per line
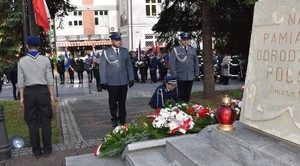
(25,31)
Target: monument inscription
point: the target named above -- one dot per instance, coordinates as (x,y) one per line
(271,100)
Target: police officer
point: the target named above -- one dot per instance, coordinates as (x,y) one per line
(184,66)
(72,69)
(96,73)
(164,92)
(116,73)
(36,95)
(80,69)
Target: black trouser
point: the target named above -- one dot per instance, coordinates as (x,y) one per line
(62,77)
(90,75)
(153,74)
(80,76)
(99,88)
(71,73)
(16,93)
(117,98)
(135,72)
(38,113)
(184,90)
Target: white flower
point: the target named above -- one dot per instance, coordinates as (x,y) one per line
(184,104)
(212,115)
(179,116)
(159,122)
(237,110)
(117,129)
(174,108)
(173,114)
(173,125)
(164,113)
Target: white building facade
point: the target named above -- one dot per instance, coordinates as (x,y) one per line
(94,20)
(137,18)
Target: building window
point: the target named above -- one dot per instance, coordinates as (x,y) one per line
(75,18)
(101,17)
(153,7)
(150,40)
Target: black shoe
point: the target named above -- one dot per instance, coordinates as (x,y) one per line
(46,153)
(114,124)
(225,83)
(122,123)
(37,154)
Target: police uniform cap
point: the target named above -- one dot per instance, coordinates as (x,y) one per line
(171,80)
(33,41)
(185,35)
(115,35)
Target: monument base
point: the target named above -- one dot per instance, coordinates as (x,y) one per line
(250,147)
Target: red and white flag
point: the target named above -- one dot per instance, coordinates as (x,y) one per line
(41,14)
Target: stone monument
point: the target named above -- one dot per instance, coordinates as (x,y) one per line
(271,101)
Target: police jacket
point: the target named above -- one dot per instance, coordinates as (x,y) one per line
(73,64)
(115,70)
(184,65)
(161,95)
(60,66)
(80,65)
(13,73)
(154,63)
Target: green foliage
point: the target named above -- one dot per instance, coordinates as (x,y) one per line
(115,143)
(231,22)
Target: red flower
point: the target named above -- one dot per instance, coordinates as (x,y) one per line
(233,104)
(190,110)
(202,112)
(157,111)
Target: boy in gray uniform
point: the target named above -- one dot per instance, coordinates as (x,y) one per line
(116,73)
(36,96)
(184,66)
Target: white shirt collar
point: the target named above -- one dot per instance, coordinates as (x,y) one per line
(115,49)
(184,46)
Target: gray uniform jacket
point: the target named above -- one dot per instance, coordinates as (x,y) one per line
(34,71)
(185,65)
(115,70)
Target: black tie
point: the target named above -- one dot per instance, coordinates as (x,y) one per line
(117,51)
(185,49)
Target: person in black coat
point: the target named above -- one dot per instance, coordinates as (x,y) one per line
(96,73)
(80,69)
(72,69)
(13,76)
(164,92)
(144,68)
(153,68)
(61,69)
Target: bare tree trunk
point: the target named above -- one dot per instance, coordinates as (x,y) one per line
(208,69)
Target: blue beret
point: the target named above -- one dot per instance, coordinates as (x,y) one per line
(185,35)
(170,80)
(115,35)
(33,41)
